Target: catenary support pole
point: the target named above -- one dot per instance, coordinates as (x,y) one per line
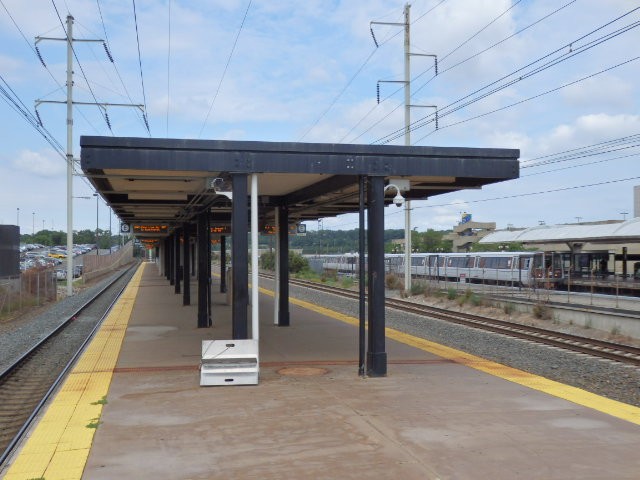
(70,155)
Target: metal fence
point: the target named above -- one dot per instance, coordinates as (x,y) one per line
(34,287)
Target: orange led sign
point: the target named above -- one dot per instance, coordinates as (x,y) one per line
(150,229)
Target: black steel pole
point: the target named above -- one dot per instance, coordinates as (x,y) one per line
(186,273)
(376,357)
(176,271)
(203,240)
(283,246)
(239,257)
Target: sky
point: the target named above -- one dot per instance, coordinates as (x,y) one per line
(555,79)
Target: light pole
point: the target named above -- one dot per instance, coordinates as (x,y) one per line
(624,215)
(18,219)
(33,223)
(97,243)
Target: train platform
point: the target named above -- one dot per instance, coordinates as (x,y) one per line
(133,407)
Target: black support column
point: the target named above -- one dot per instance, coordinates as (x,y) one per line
(186,262)
(283,272)
(165,256)
(376,356)
(239,257)
(171,252)
(203,271)
(176,253)
(223,264)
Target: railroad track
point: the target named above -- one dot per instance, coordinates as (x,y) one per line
(26,385)
(598,348)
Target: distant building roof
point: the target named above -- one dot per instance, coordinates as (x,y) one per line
(618,232)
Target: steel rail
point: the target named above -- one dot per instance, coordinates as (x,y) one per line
(598,348)
(25,358)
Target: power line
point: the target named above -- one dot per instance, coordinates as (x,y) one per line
(451,108)
(441,127)
(587,148)
(224,72)
(144,94)
(109,51)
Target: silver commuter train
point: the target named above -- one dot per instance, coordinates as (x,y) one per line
(506,268)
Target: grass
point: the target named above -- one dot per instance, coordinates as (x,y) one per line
(94,423)
(102,401)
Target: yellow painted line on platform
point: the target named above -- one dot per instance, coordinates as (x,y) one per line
(58,447)
(557,389)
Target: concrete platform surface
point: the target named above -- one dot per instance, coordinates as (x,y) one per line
(312,417)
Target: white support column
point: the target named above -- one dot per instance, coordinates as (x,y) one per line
(255,311)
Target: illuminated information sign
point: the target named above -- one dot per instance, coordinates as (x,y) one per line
(220,230)
(150,229)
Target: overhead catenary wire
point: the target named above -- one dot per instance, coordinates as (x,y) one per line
(224,72)
(521,101)
(469,98)
(143,115)
(144,94)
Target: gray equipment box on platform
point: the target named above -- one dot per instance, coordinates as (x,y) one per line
(229,362)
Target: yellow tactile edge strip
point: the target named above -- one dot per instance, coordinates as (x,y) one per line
(557,389)
(58,447)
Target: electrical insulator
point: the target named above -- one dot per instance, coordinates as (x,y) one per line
(373,36)
(106,49)
(146,122)
(106,117)
(40,57)
(378,91)
(39,119)
(436,119)
(436,59)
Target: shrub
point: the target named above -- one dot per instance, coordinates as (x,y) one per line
(508,308)
(347,282)
(452,293)
(541,311)
(393,282)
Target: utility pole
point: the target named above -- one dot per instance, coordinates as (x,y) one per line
(69,102)
(407,123)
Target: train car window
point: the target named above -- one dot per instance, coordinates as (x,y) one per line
(470,262)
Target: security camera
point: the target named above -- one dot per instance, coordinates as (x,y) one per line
(398,200)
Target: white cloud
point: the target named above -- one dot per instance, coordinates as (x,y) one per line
(42,164)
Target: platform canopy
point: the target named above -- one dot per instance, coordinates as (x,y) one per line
(148,181)
(597,232)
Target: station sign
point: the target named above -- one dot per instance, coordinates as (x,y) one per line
(294,229)
(150,229)
(125,228)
